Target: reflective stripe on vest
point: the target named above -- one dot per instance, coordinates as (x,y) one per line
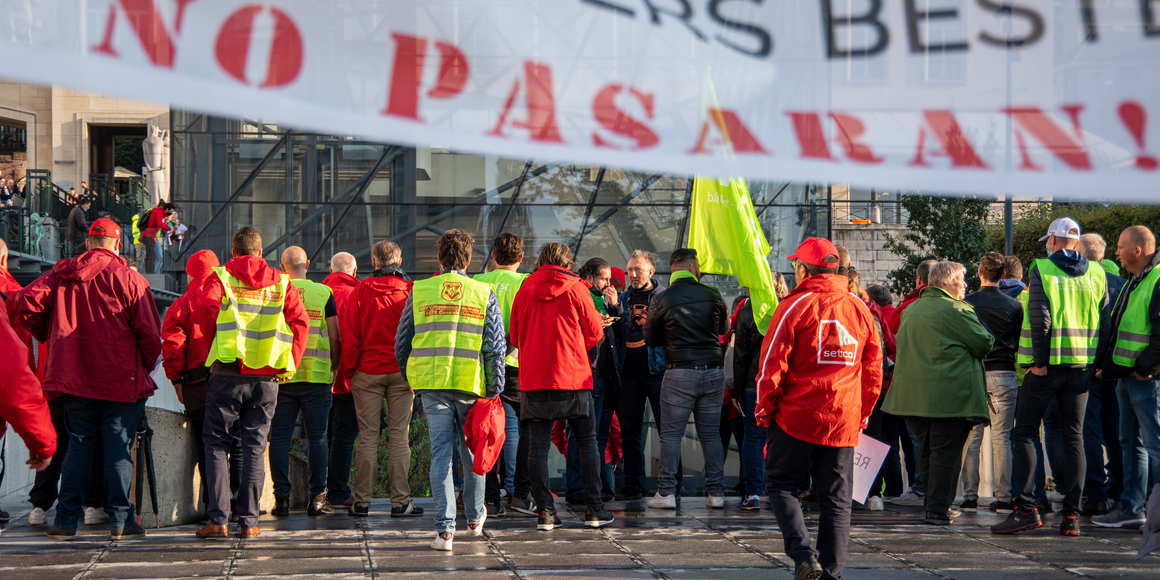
(1135,330)
(250,325)
(505,284)
(450,312)
(1075,315)
(315,366)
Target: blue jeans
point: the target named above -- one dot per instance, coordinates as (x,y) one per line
(1101,428)
(446,414)
(635,392)
(698,392)
(511,443)
(575,482)
(1139,438)
(753,447)
(115,425)
(313,399)
(916,487)
(341,432)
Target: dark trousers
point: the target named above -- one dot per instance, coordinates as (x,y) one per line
(540,435)
(832,470)
(882,428)
(341,432)
(198,426)
(575,483)
(44,488)
(940,457)
(635,392)
(1068,387)
(117,425)
(734,429)
(1053,442)
(228,399)
(313,400)
(1101,424)
(522,483)
(498,474)
(152,255)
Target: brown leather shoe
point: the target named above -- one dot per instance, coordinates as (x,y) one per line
(349,502)
(212,532)
(249,533)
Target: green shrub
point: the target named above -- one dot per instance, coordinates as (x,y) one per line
(940,228)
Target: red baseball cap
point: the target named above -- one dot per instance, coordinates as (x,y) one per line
(106,228)
(813,251)
(617,276)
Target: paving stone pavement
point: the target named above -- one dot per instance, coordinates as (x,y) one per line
(691,543)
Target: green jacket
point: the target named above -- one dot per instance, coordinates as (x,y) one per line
(939,362)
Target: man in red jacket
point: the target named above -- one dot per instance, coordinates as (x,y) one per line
(22,402)
(369,323)
(156,223)
(343,424)
(185,347)
(920,282)
(820,375)
(259,333)
(103,336)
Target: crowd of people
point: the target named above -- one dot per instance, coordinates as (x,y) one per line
(574,354)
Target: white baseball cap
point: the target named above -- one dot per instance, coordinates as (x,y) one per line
(1063,228)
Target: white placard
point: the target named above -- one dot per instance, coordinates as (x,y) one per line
(868,458)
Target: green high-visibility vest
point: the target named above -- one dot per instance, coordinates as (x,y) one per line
(315,366)
(251,327)
(1075,315)
(450,313)
(136,230)
(1135,327)
(505,284)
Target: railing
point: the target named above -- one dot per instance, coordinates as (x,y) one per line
(14,228)
(889,212)
(120,205)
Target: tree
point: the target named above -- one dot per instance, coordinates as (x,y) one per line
(127,153)
(940,228)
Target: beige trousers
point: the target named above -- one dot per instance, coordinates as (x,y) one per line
(369,393)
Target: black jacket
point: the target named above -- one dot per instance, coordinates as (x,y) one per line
(1003,317)
(76,227)
(604,358)
(687,319)
(746,348)
(1149,361)
(1039,309)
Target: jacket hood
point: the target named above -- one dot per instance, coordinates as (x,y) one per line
(252,271)
(391,271)
(86,266)
(340,280)
(1007,283)
(8,284)
(388,284)
(1071,262)
(551,282)
(822,283)
(201,262)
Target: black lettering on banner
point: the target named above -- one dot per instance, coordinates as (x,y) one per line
(1033,18)
(610,6)
(763,38)
(685,16)
(1151,27)
(870,18)
(913,15)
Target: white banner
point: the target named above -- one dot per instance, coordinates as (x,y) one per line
(868,458)
(1031,97)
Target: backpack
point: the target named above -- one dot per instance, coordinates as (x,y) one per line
(143,221)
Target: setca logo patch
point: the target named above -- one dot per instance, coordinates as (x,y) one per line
(451,290)
(836,346)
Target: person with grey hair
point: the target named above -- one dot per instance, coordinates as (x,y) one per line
(1094,247)
(343,424)
(939,383)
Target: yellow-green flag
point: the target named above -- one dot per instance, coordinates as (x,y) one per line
(723,228)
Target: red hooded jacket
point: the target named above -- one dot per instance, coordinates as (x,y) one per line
(156,223)
(22,401)
(9,287)
(821,364)
(369,323)
(185,346)
(554,323)
(255,273)
(342,285)
(101,325)
(896,316)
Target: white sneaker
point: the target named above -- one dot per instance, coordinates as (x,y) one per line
(1055,497)
(38,517)
(442,542)
(874,504)
(715,501)
(666,502)
(910,498)
(476,529)
(95,516)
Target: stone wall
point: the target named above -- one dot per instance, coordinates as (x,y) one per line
(867,249)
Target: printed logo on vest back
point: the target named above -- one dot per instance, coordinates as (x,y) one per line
(836,346)
(451,290)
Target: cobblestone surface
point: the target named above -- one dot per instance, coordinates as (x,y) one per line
(692,543)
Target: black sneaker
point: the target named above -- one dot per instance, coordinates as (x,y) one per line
(523,506)
(597,519)
(281,506)
(808,570)
(937,519)
(361,511)
(1069,526)
(1018,521)
(548,521)
(574,501)
(319,505)
(62,534)
(607,497)
(496,510)
(1098,508)
(4,517)
(1001,507)
(1045,507)
(629,496)
(130,531)
(969,505)
(406,511)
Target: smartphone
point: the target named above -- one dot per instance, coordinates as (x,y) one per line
(612,318)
